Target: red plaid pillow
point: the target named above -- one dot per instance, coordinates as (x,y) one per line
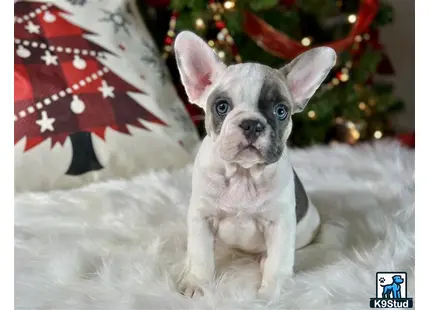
(83,71)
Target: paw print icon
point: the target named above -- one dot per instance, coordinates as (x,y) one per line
(381,280)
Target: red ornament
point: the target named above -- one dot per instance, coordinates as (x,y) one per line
(220,25)
(168,40)
(281,45)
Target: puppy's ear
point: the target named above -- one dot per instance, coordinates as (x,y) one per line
(306,73)
(198,64)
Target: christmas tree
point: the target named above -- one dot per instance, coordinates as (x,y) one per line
(69,83)
(350,106)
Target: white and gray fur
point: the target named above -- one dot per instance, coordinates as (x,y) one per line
(245,193)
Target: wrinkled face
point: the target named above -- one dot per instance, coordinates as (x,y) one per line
(249,106)
(248,114)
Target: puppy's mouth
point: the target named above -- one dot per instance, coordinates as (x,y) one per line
(250,148)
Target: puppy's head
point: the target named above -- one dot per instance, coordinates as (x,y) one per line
(249,106)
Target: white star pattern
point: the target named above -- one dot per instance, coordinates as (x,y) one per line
(106,90)
(118,20)
(50,59)
(32,28)
(45,122)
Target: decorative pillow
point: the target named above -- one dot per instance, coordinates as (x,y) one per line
(93,98)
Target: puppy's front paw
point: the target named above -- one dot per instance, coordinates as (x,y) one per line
(268,292)
(190,286)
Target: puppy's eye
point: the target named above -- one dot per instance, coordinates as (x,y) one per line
(280,111)
(222,107)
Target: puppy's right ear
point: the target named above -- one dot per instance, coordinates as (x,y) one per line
(198,65)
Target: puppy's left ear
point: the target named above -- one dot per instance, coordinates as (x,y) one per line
(306,73)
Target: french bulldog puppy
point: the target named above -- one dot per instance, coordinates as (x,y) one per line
(245,193)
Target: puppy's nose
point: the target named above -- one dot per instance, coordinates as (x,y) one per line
(251,128)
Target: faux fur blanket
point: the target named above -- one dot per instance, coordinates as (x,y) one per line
(121,244)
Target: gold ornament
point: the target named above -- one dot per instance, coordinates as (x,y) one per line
(306,41)
(355,135)
(377,134)
(346,131)
(344,77)
(312,114)
(200,24)
(352,18)
(228,5)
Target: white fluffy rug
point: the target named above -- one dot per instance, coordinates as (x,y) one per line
(121,244)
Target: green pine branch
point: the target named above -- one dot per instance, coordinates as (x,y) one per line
(351,100)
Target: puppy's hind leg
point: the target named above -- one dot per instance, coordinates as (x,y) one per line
(308,227)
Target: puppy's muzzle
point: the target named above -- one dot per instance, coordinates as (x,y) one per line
(252,129)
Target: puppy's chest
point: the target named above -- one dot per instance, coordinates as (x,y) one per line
(241,193)
(241,204)
(241,231)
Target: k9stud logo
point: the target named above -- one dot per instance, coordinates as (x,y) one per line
(391,291)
